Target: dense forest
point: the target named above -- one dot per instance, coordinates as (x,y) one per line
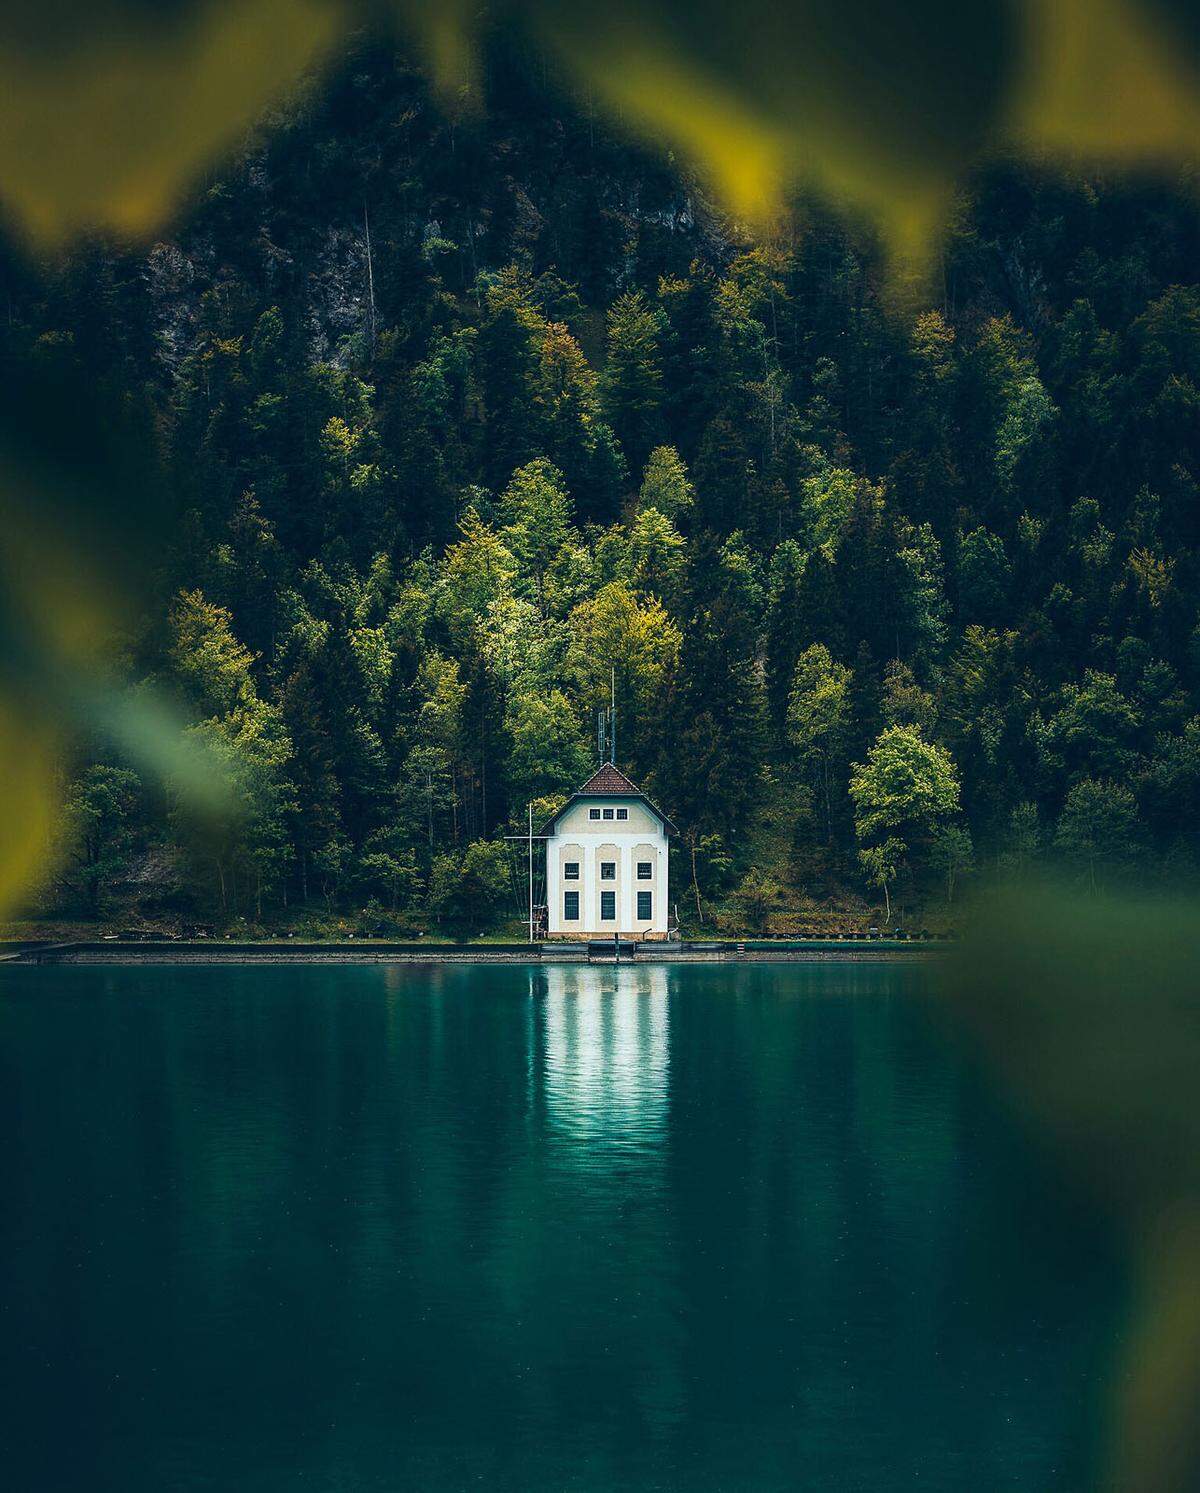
(455,415)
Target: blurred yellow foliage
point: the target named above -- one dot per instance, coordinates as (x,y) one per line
(82,521)
(29,801)
(107,125)
(107,121)
(55,628)
(112,110)
(1107,79)
(110,113)
(446,35)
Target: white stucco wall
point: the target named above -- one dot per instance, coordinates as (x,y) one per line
(578,837)
(577,817)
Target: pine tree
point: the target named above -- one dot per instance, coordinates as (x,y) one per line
(633,380)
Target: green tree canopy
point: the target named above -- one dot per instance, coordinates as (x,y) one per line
(1098,830)
(666,485)
(548,753)
(905,790)
(632,381)
(819,716)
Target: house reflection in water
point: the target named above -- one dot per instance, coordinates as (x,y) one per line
(606,1059)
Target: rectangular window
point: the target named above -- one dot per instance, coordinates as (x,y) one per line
(608,813)
(622,813)
(608,907)
(571,907)
(608,870)
(645,870)
(571,870)
(645,904)
(593,813)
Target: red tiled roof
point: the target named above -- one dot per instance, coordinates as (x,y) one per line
(605,781)
(608,779)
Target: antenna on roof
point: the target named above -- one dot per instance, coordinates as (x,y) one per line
(612,718)
(606,725)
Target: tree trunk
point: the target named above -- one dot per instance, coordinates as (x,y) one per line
(483,815)
(370,281)
(92,882)
(828,803)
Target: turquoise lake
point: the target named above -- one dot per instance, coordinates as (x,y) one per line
(558,1228)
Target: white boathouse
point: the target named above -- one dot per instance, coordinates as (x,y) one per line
(606,862)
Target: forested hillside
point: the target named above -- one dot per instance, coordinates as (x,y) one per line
(455,414)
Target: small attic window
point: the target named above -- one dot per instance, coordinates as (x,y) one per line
(593,813)
(608,813)
(622,813)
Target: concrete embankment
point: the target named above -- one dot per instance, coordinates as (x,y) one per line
(293,951)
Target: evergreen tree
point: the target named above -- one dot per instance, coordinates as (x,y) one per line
(568,418)
(633,379)
(818,717)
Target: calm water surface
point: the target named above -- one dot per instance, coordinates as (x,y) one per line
(346,1229)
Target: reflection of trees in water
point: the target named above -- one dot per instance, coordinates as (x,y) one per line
(643,1226)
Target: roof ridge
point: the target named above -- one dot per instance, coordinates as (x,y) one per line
(608,778)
